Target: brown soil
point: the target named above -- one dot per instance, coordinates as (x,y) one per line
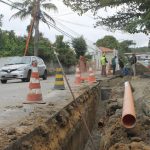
(113,135)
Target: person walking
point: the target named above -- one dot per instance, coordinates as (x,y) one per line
(103,61)
(113,62)
(133,61)
(121,65)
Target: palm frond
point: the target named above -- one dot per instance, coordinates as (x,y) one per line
(16,15)
(24,4)
(45,21)
(49,6)
(21,14)
(48,17)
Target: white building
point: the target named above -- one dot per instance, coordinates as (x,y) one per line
(109,55)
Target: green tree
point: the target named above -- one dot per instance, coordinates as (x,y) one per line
(124,46)
(34,8)
(80,46)
(132,16)
(108,41)
(66,55)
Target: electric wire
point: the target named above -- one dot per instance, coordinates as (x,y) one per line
(54,26)
(77,34)
(11,5)
(78,24)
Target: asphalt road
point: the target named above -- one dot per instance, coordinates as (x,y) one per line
(14,93)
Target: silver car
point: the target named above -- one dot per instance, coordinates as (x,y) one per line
(21,67)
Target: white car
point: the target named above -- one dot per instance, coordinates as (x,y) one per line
(21,67)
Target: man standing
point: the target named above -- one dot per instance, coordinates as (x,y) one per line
(133,61)
(113,62)
(121,65)
(103,63)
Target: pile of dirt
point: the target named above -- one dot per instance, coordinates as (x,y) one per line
(113,135)
(140,69)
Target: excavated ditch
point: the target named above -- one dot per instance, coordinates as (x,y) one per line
(101,107)
(65,130)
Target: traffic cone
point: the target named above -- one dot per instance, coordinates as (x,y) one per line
(34,95)
(59,81)
(91,78)
(78,76)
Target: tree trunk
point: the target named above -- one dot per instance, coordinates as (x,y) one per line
(36,37)
(36,27)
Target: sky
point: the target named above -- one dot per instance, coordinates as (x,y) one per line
(72,23)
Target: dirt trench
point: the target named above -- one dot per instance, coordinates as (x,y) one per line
(113,135)
(101,107)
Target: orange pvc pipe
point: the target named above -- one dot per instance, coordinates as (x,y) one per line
(128,112)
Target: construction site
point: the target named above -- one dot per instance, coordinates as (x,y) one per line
(68,95)
(94,113)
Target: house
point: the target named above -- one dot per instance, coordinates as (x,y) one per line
(110,53)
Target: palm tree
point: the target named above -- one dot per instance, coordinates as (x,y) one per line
(1,16)
(37,10)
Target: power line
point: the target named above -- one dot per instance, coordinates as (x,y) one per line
(75,33)
(62,31)
(66,14)
(50,24)
(67,28)
(82,25)
(11,5)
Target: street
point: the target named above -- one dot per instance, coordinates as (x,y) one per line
(14,93)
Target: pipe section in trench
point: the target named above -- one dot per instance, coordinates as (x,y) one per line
(128,112)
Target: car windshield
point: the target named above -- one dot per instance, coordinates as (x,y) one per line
(19,60)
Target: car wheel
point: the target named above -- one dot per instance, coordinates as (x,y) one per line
(44,75)
(4,81)
(28,76)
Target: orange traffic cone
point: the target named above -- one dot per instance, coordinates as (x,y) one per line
(91,78)
(34,95)
(78,76)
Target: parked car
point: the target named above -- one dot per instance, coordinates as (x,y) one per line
(21,67)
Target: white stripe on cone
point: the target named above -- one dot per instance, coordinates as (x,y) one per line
(34,69)
(35,91)
(34,80)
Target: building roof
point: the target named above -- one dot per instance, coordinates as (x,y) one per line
(106,50)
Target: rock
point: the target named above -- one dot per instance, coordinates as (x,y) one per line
(21,130)
(136,139)
(146,107)
(70,109)
(11,131)
(136,146)
(145,120)
(111,108)
(120,102)
(26,123)
(26,146)
(119,146)
(101,122)
(13,138)
(62,118)
(118,112)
